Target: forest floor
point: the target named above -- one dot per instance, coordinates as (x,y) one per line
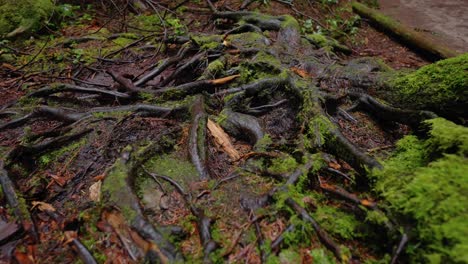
(62,187)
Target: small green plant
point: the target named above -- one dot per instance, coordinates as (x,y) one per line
(177,26)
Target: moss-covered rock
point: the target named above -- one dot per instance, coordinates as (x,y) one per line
(426,183)
(22,16)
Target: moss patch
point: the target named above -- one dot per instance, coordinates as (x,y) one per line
(441,86)
(173,167)
(426,182)
(23,15)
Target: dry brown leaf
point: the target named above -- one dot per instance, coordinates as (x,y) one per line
(43,206)
(95,191)
(334,165)
(300,72)
(223,140)
(224,79)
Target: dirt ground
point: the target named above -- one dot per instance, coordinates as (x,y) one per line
(443,21)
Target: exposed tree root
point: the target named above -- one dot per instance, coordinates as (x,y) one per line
(122,174)
(385,112)
(18,206)
(197,141)
(27,151)
(164,65)
(242,126)
(65,87)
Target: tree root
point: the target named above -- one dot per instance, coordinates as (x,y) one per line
(265,22)
(197,140)
(347,196)
(404,240)
(260,110)
(163,66)
(180,91)
(388,113)
(117,187)
(255,87)
(65,87)
(44,111)
(242,29)
(183,68)
(27,151)
(242,125)
(203,222)
(339,145)
(64,115)
(83,252)
(19,208)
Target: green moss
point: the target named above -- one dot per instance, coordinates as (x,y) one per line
(53,156)
(263,143)
(23,15)
(116,187)
(289,256)
(289,21)
(426,182)
(440,86)
(320,256)
(214,69)
(337,222)
(207,42)
(327,43)
(248,40)
(172,166)
(283,165)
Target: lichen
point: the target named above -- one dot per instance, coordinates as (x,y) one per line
(426,182)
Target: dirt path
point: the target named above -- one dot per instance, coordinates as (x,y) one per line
(444,21)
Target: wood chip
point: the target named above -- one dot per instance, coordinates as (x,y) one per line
(43,206)
(95,191)
(222,139)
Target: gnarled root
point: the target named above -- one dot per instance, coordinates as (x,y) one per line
(197,140)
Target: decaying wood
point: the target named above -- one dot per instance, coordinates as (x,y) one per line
(223,140)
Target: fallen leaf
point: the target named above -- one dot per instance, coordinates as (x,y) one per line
(43,206)
(334,165)
(95,191)
(300,72)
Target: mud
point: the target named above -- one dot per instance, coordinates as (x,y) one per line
(444,21)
